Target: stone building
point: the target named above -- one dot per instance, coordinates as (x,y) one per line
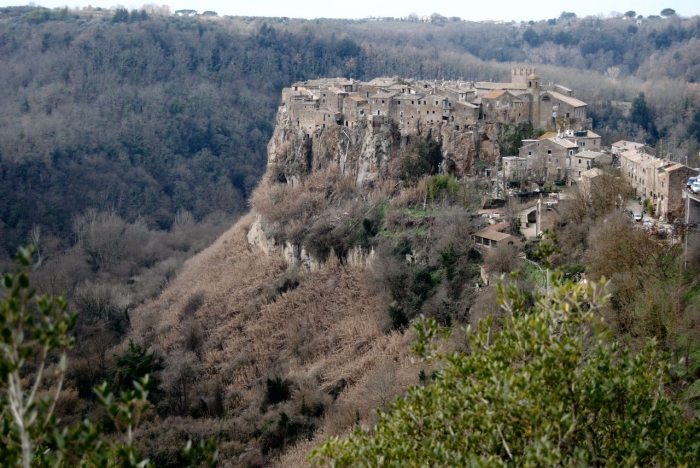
(584,139)
(419,104)
(504,107)
(549,159)
(514,168)
(660,180)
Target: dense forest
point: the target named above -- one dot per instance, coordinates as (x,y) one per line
(149,115)
(130,140)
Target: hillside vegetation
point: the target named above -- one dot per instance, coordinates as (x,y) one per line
(130,142)
(147,115)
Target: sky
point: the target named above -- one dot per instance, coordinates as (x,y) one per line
(523,10)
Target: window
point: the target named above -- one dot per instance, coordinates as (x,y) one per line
(550,152)
(382,101)
(399,102)
(367,93)
(579,161)
(412,102)
(571,152)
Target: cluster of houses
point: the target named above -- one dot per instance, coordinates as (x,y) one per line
(656,179)
(417,104)
(577,156)
(556,157)
(574,153)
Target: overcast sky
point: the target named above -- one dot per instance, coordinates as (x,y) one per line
(470,10)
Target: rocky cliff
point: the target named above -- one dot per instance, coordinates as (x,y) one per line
(317,177)
(369,152)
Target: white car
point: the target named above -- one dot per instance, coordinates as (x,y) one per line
(695,187)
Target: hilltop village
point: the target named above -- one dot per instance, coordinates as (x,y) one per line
(419,104)
(569,152)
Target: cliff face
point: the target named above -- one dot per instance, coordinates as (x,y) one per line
(371,151)
(295,294)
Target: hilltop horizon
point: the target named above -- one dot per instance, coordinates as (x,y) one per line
(504,11)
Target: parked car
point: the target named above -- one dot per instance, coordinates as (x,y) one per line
(695,187)
(637,217)
(691,180)
(648,223)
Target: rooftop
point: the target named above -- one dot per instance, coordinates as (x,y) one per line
(572,101)
(492,235)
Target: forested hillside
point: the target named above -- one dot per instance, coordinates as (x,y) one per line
(148,115)
(129,141)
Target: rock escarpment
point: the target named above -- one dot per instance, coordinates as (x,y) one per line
(371,150)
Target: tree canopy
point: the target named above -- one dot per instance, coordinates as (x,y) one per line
(668,12)
(548,388)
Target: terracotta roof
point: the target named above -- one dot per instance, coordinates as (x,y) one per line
(493,94)
(677,166)
(492,235)
(499,227)
(491,85)
(562,142)
(567,99)
(548,135)
(627,144)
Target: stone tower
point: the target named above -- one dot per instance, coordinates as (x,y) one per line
(533,88)
(519,75)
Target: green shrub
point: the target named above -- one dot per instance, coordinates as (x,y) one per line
(278,390)
(548,388)
(399,320)
(442,186)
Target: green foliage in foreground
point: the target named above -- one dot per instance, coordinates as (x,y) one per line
(35,333)
(549,388)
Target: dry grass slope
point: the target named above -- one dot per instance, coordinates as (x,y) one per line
(328,329)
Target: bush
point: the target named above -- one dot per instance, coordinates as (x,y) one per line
(399,320)
(442,186)
(510,399)
(277,390)
(193,304)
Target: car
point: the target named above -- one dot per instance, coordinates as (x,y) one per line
(648,223)
(637,217)
(691,180)
(695,187)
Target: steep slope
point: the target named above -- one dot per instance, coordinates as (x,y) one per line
(294,322)
(325,334)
